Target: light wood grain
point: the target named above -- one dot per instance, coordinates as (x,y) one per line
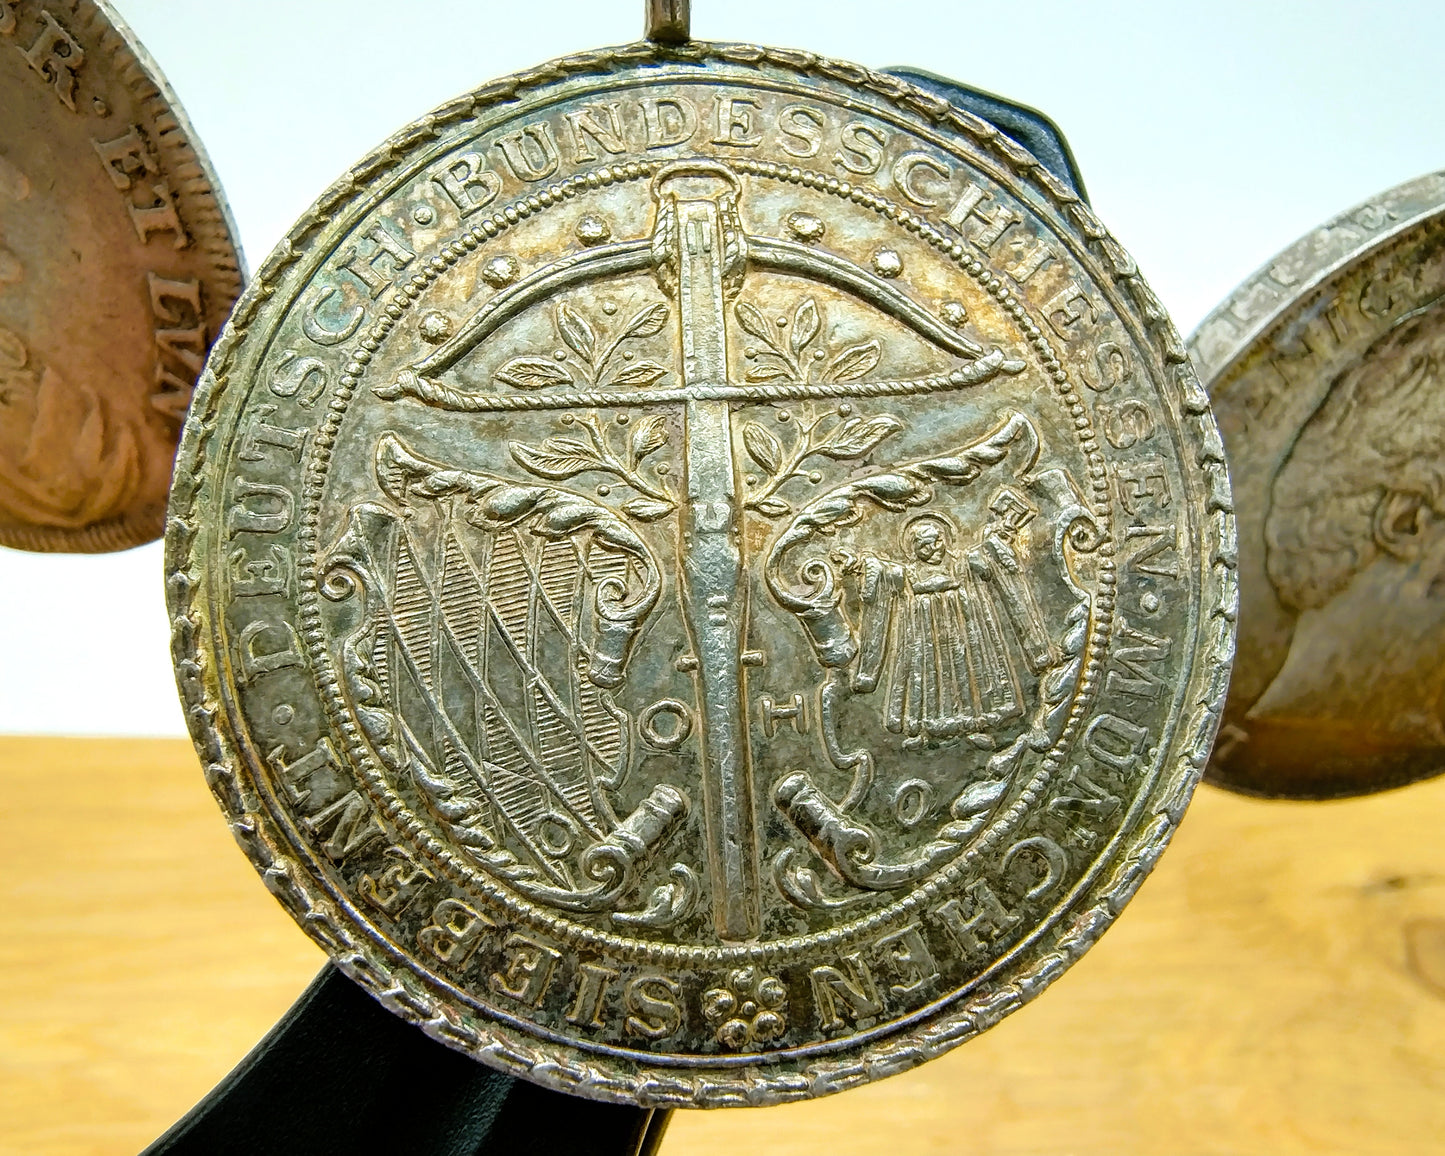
(1277,988)
(140,956)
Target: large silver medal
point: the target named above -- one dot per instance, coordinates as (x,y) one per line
(703,578)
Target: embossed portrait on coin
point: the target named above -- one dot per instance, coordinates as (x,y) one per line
(1356,546)
(65,460)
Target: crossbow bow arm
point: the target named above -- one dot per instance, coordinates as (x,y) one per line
(622,257)
(544,284)
(800,260)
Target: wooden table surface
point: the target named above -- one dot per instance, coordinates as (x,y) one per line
(1277,987)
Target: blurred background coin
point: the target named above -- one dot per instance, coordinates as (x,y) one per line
(118,264)
(1325,371)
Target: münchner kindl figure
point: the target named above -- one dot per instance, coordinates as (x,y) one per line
(944,631)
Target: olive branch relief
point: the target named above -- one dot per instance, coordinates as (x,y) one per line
(837,434)
(592,365)
(793,361)
(558,458)
(794,353)
(593,360)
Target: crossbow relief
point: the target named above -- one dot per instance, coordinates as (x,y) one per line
(746,407)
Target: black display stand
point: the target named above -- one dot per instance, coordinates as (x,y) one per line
(1028,126)
(342,1076)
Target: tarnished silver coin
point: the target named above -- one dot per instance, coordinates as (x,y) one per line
(701,576)
(118,264)
(1327,372)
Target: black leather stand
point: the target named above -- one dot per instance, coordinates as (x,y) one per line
(341,1075)
(1028,126)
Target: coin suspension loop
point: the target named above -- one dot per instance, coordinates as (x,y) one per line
(668,21)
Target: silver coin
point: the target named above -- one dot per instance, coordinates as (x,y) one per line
(1327,372)
(701,576)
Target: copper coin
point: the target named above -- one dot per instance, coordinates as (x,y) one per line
(118,265)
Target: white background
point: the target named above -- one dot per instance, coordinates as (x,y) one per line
(1210,135)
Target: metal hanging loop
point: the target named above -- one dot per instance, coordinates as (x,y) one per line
(669,21)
